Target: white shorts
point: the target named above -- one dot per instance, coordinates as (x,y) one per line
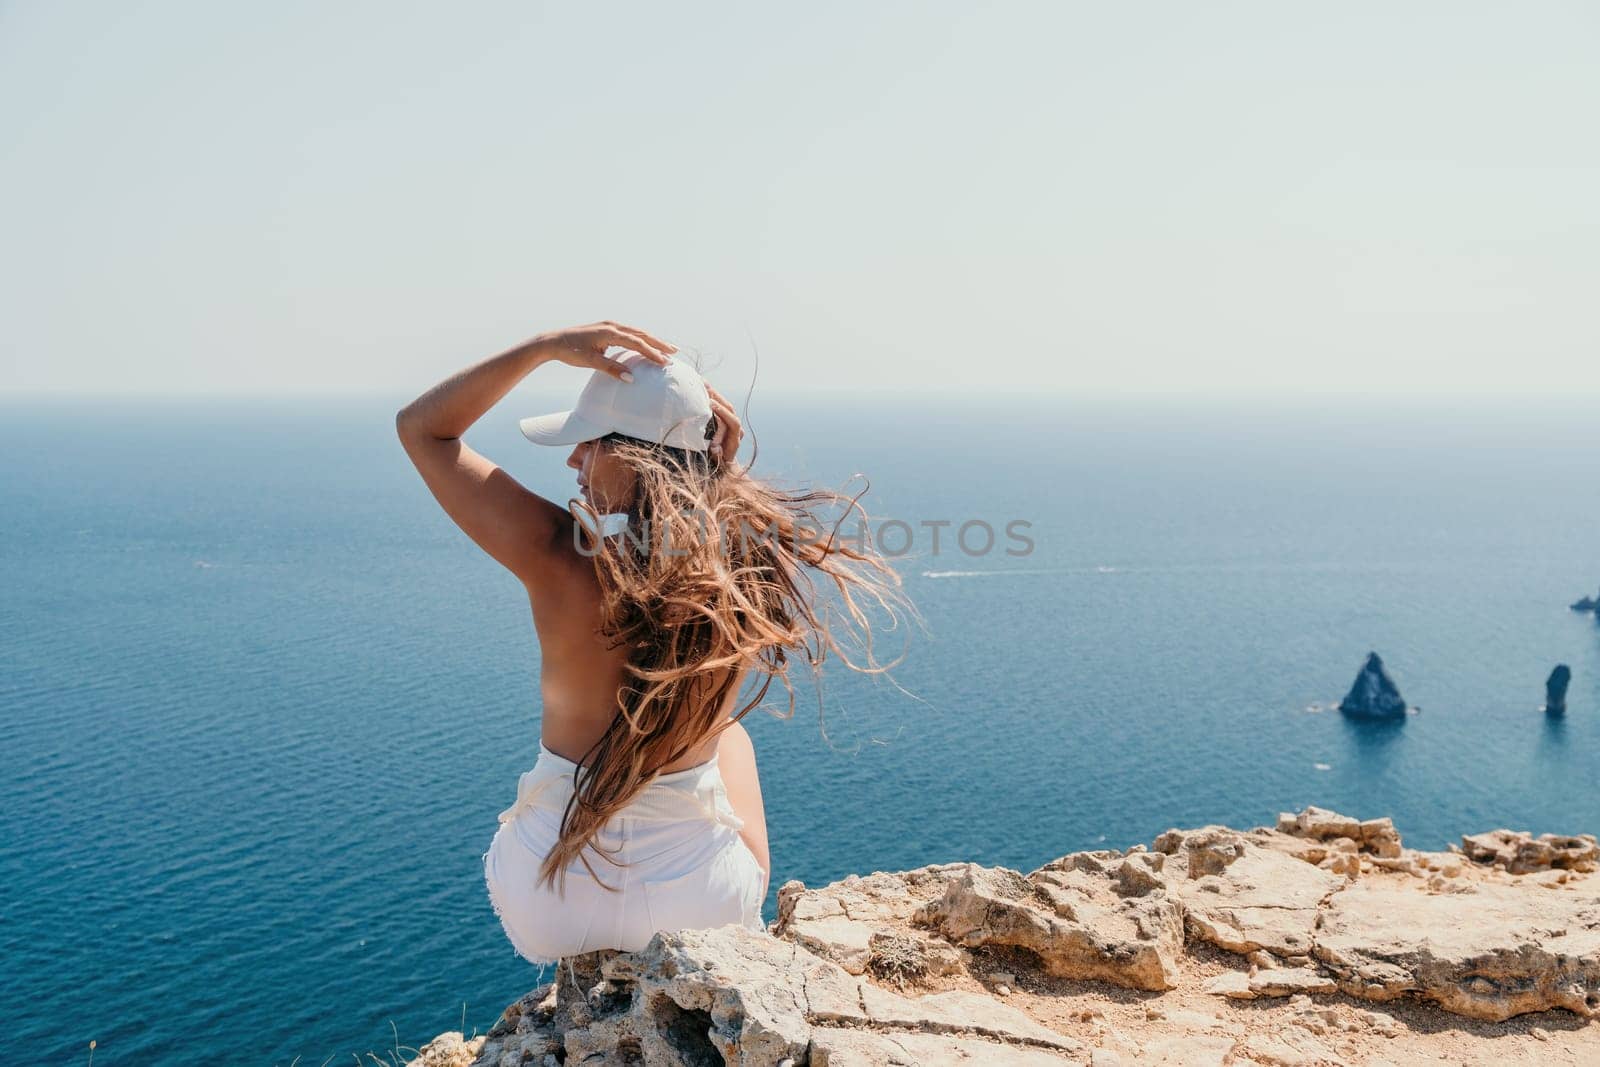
(684,865)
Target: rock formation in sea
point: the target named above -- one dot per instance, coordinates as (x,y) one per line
(1320,940)
(1374,694)
(1555,689)
(1588,603)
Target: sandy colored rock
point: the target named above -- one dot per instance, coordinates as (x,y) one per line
(1492,953)
(1190,1050)
(842,921)
(1288,981)
(450,1049)
(836,937)
(952,1012)
(748,998)
(865,1048)
(1377,836)
(1284,1050)
(1242,895)
(684,1000)
(1232,984)
(1522,853)
(1092,915)
(1276,982)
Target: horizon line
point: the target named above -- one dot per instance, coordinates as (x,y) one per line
(1018,393)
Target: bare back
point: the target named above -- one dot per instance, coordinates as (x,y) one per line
(579,676)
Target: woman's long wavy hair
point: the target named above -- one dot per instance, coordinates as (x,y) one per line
(715,577)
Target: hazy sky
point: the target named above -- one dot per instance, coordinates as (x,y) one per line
(1057,198)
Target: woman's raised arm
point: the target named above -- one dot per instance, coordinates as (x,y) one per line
(518,528)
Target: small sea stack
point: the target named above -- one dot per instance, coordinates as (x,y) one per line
(1588,603)
(1555,690)
(1374,694)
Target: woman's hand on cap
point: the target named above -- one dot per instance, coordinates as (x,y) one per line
(585,346)
(725,440)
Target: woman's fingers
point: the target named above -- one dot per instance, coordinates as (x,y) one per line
(636,340)
(733,431)
(720,403)
(725,441)
(587,345)
(614,367)
(649,338)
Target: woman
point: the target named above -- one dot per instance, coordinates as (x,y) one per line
(655,596)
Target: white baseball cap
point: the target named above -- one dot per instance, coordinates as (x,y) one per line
(667,405)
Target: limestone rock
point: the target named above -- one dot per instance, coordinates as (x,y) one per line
(692,996)
(1555,689)
(451,1049)
(1283,1050)
(1234,985)
(1241,894)
(684,1000)
(1490,954)
(1522,853)
(953,1012)
(1374,694)
(838,1047)
(1587,603)
(820,923)
(839,922)
(1289,981)
(1376,836)
(1095,915)
(1187,1050)
(526,1031)
(1271,982)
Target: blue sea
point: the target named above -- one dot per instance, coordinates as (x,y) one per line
(260,702)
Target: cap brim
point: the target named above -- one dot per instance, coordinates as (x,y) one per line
(561,428)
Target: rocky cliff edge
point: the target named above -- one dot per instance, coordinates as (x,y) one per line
(1318,941)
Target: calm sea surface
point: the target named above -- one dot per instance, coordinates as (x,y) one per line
(260,701)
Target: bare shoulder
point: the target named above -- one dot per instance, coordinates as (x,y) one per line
(521,530)
(564,594)
(734,741)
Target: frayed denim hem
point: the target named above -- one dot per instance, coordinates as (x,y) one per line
(500,915)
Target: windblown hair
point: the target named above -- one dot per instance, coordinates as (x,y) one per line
(715,577)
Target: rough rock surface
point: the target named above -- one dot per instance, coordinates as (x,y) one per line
(730,995)
(1522,853)
(1377,836)
(1373,694)
(1102,915)
(1242,894)
(450,1049)
(1215,946)
(1490,953)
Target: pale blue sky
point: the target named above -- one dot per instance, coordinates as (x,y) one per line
(1061,198)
